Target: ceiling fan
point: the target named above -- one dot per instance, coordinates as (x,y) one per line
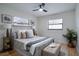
(41,8)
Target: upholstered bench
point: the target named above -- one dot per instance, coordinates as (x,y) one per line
(52,50)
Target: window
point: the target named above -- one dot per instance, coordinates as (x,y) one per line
(55,24)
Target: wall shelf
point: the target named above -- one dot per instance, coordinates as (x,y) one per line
(23,25)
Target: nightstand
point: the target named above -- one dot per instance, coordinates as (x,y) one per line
(7,43)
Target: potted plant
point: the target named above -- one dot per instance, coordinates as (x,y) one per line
(71,37)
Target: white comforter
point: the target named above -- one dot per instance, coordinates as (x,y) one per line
(35,49)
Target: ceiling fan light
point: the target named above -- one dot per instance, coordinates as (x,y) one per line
(40,9)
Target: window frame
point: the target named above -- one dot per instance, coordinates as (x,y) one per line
(55,24)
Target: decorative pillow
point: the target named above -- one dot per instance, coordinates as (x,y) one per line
(34,32)
(15,35)
(25,33)
(22,34)
(29,33)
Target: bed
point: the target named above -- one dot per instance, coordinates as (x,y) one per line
(20,45)
(37,43)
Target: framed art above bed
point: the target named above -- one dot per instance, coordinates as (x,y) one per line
(19,20)
(5,18)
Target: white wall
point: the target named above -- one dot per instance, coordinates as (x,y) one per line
(4,10)
(13,13)
(17,13)
(42,22)
(77,23)
(68,22)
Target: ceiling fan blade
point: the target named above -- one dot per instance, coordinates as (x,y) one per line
(44,10)
(43,4)
(35,10)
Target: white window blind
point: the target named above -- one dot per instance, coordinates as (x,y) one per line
(55,24)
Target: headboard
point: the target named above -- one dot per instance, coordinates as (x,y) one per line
(17,27)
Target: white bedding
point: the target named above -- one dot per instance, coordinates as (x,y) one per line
(35,48)
(39,46)
(25,41)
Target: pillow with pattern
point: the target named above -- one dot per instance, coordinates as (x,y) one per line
(22,34)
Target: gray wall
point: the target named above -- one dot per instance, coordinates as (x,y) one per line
(17,13)
(4,10)
(68,22)
(42,23)
(77,23)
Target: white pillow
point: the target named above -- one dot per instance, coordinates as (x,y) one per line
(29,33)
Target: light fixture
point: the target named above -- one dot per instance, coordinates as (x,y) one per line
(40,9)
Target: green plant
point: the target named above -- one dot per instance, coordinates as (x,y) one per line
(71,35)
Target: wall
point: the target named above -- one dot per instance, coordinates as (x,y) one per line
(68,22)
(77,23)
(18,14)
(4,10)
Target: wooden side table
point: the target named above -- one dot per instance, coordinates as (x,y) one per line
(7,44)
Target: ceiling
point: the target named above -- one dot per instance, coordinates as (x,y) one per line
(28,7)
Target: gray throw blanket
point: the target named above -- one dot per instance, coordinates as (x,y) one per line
(34,42)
